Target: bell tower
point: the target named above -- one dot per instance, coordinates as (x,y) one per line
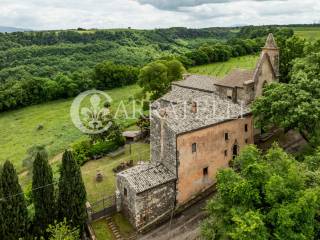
(272,50)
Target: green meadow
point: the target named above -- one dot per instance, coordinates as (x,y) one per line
(309,33)
(19,129)
(220,69)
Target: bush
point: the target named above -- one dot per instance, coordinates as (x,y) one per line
(81,151)
(84,151)
(102,148)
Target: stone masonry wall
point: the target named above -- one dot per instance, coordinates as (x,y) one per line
(265,76)
(154,203)
(127,202)
(163,147)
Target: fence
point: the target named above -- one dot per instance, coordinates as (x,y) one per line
(102,208)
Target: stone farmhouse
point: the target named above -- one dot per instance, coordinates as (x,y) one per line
(196,129)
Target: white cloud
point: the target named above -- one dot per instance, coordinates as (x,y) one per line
(62,14)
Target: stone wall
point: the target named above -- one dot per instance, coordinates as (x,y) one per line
(210,153)
(236,94)
(264,76)
(163,143)
(154,203)
(127,203)
(143,208)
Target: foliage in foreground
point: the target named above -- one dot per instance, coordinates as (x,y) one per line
(43,193)
(62,231)
(13,210)
(269,196)
(295,105)
(72,194)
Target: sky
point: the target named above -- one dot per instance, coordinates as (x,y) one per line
(149,14)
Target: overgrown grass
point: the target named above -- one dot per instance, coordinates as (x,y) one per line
(18,129)
(125,227)
(102,230)
(99,190)
(222,68)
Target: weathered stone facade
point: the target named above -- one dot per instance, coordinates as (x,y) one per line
(196,129)
(163,139)
(147,192)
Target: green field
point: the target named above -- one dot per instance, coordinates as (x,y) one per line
(222,68)
(99,190)
(18,128)
(309,33)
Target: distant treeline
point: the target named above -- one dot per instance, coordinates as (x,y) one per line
(40,66)
(29,90)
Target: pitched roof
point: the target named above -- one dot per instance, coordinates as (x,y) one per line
(264,57)
(211,109)
(270,43)
(199,82)
(236,78)
(147,176)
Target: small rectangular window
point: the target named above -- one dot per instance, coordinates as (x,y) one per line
(194,147)
(246,128)
(225,153)
(229,93)
(205,171)
(125,192)
(226,136)
(246,140)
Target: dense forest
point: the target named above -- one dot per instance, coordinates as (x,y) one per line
(41,66)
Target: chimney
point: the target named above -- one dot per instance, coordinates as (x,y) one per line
(194,107)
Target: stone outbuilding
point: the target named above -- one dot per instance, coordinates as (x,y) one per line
(196,129)
(147,193)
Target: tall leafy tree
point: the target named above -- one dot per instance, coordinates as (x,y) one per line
(43,193)
(290,49)
(72,193)
(294,105)
(270,196)
(156,77)
(14,211)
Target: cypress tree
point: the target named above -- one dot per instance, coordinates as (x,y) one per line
(72,194)
(43,193)
(1,207)
(13,207)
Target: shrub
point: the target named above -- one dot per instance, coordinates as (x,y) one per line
(81,151)
(100,149)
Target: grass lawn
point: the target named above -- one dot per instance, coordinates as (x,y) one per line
(309,33)
(18,128)
(223,68)
(102,230)
(124,226)
(98,190)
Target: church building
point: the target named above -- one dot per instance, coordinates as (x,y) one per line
(196,129)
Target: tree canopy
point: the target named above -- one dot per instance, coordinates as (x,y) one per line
(265,196)
(156,77)
(71,201)
(14,213)
(43,194)
(294,105)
